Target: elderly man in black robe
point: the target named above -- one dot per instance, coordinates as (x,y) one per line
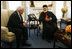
(49,21)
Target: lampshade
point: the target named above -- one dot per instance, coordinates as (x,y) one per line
(64,10)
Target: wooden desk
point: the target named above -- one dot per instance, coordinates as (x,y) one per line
(63,38)
(68,40)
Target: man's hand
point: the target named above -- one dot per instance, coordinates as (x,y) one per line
(25,24)
(48,19)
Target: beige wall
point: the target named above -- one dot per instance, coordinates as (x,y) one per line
(68,14)
(1,5)
(4,5)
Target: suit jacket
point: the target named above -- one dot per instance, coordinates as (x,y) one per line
(15,22)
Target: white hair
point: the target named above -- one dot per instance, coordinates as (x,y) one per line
(20,8)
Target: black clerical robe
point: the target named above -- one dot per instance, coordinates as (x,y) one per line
(48,27)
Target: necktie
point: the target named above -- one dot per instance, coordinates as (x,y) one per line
(20,17)
(46,15)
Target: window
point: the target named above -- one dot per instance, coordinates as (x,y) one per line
(14,4)
(69,9)
(41,3)
(59,6)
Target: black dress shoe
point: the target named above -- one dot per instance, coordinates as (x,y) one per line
(43,38)
(26,44)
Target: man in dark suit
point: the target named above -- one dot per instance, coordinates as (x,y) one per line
(17,26)
(49,21)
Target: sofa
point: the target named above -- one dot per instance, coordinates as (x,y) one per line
(5,34)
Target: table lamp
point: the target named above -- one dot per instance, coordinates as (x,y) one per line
(64,10)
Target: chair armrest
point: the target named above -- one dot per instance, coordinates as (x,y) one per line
(5,34)
(4,29)
(10,34)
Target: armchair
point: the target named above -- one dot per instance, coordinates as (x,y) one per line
(5,34)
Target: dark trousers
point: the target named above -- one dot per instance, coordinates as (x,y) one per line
(21,35)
